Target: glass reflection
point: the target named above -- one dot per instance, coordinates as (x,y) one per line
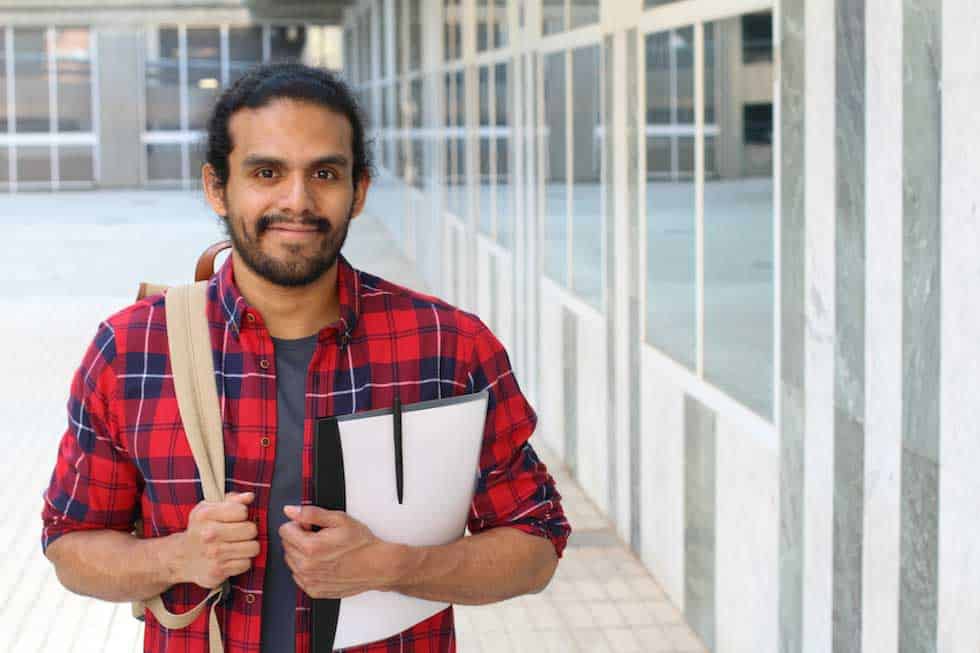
(671,294)
(74,76)
(31,83)
(203,74)
(162,79)
(738,216)
(555,175)
(587,231)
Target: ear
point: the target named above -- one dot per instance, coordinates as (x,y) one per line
(214,190)
(360,195)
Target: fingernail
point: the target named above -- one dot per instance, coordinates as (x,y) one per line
(290,510)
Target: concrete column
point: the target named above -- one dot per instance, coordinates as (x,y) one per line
(120,92)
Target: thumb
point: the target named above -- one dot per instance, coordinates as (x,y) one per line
(240,497)
(316,515)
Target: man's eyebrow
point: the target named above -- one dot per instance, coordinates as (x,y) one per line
(330,160)
(262,159)
(268,160)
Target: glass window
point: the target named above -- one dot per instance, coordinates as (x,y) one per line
(74,69)
(552,16)
(502,94)
(163,163)
(33,164)
(757,37)
(505,194)
(368,46)
(583,12)
(31,82)
(453,34)
(485,209)
(484,99)
(414,35)
(587,230)
(75,164)
(3,86)
(555,175)
(288,43)
(244,50)
(203,74)
(671,294)
(738,221)
(4,167)
(482,25)
(383,37)
(500,24)
(162,79)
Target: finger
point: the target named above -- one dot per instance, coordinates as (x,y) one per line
(242,531)
(240,497)
(317,516)
(238,550)
(236,567)
(292,535)
(233,510)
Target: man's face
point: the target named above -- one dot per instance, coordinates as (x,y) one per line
(290,197)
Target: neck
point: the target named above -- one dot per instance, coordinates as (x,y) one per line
(290,312)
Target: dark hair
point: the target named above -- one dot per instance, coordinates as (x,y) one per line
(263,84)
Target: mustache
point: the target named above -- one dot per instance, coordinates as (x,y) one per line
(320,223)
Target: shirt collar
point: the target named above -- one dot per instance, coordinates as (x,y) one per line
(232,305)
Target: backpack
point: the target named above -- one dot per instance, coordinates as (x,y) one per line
(197,400)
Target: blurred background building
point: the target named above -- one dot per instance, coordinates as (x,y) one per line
(730,246)
(116,94)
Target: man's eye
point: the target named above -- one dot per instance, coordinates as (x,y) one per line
(266,173)
(325,174)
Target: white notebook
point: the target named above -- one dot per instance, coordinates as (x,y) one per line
(441,444)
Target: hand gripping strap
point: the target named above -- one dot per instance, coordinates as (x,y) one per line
(197,398)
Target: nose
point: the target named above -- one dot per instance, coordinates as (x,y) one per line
(297,197)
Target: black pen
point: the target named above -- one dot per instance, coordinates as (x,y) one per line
(399,470)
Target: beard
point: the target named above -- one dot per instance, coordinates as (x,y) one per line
(296,269)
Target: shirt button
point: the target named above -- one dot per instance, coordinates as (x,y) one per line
(265,442)
(250,598)
(264,364)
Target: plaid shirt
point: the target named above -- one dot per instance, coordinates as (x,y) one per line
(124,453)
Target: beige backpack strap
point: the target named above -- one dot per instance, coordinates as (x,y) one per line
(197,398)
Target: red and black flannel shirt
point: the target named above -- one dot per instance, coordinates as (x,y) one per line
(125,454)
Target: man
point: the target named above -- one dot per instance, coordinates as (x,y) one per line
(297,334)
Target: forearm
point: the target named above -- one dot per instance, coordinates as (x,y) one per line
(115,566)
(491,566)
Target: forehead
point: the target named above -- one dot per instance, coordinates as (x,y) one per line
(290,129)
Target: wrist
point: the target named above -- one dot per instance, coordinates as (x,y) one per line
(403,562)
(171,559)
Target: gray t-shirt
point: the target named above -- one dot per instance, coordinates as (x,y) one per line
(279,590)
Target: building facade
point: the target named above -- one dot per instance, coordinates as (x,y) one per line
(115,94)
(730,245)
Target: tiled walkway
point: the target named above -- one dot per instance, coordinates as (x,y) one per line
(63,275)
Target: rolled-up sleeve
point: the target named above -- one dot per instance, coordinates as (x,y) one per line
(514,487)
(95,484)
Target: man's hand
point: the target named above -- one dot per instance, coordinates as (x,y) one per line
(342,559)
(220,541)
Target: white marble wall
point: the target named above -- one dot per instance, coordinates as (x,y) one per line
(746,542)
(819,306)
(883,353)
(959,532)
(593,445)
(662,482)
(551,415)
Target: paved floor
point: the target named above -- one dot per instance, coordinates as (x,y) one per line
(64,272)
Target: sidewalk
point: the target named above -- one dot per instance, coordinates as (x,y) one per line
(65,273)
